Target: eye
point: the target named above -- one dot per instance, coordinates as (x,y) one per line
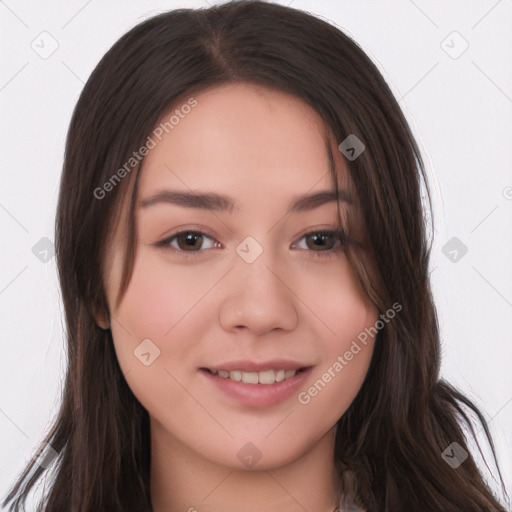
(323,243)
(187,242)
(328,242)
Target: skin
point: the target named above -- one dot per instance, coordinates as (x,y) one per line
(262,148)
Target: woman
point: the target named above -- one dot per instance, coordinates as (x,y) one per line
(244,269)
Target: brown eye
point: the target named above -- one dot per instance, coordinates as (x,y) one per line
(322,241)
(189,240)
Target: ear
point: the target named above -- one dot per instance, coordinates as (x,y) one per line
(101,317)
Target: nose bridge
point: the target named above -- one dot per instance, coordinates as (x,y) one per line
(257,296)
(253,268)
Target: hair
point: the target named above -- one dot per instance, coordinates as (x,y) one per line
(404,416)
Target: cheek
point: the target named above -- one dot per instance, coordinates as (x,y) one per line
(160,296)
(347,344)
(159,305)
(173,307)
(154,307)
(333,296)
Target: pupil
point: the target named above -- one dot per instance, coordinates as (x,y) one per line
(191,239)
(320,240)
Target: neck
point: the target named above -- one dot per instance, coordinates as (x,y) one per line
(184,481)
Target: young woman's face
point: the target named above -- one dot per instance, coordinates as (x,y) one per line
(251,289)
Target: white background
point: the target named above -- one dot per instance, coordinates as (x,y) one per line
(461,113)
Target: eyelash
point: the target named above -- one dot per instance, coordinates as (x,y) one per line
(339,235)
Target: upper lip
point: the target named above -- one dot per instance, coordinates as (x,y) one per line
(253,366)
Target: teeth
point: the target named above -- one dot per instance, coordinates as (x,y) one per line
(250,377)
(280,375)
(264,377)
(235,375)
(289,373)
(267,377)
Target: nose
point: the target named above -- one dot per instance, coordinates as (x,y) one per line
(258,297)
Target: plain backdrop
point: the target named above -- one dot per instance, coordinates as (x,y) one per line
(448,63)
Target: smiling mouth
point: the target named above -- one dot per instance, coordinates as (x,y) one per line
(263,377)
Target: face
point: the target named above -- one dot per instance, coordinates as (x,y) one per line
(259,291)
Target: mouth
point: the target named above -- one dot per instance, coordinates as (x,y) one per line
(259,386)
(265,377)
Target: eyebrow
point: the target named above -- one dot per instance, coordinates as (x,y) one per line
(222,203)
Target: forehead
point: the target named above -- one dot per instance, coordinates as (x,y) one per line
(241,134)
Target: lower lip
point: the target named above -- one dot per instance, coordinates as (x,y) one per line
(259,395)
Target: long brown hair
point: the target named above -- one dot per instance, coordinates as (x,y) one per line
(404,416)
